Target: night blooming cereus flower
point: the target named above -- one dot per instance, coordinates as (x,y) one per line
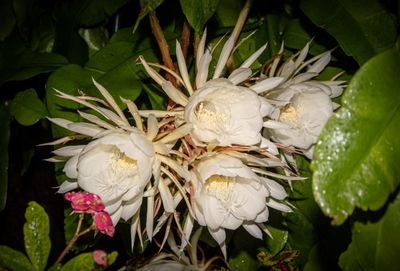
(229,195)
(303,106)
(118,162)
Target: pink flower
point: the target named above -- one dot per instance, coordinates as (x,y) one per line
(103,223)
(84,202)
(100,257)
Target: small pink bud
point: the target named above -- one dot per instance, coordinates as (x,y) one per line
(103,223)
(77,199)
(100,257)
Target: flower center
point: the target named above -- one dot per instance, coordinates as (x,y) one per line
(290,114)
(220,187)
(121,163)
(206,112)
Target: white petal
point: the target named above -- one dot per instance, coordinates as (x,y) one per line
(223,58)
(116,216)
(152,127)
(253,57)
(96,120)
(69,151)
(166,196)
(130,208)
(84,128)
(70,167)
(277,190)
(153,74)
(182,68)
(278,206)
(319,65)
(239,75)
(200,49)
(254,230)
(269,146)
(267,84)
(179,132)
(272,124)
(219,236)
(202,71)
(173,93)
(67,186)
(302,56)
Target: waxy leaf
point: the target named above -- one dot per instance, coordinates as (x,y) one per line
(356,158)
(375,245)
(36,235)
(27,108)
(14,260)
(363,28)
(85,261)
(4,139)
(198,12)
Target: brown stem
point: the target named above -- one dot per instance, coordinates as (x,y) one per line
(185,39)
(163,45)
(74,238)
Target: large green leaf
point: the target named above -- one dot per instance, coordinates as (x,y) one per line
(4,139)
(27,108)
(356,158)
(14,260)
(198,12)
(36,235)
(363,28)
(19,63)
(375,245)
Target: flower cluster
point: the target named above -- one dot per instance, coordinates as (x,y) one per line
(91,204)
(215,150)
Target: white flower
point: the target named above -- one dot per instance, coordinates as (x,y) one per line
(229,195)
(117,167)
(305,115)
(225,114)
(222,110)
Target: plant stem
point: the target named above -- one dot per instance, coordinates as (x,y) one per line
(163,45)
(74,238)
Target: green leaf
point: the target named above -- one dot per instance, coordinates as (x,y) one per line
(228,11)
(94,11)
(27,108)
(112,257)
(278,240)
(4,140)
(198,12)
(243,261)
(7,19)
(363,28)
(18,63)
(375,245)
(83,261)
(356,158)
(36,235)
(14,260)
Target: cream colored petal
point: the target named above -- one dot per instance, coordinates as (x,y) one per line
(202,71)
(96,120)
(254,230)
(239,75)
(174,94)
(253,57)
(67,186)
(267,84)
(278,206)
(84,128)
(179,132)
(152,127)
(200,49)
(69,151)
(153,74)
(166,196)
(182,68)
(223,58)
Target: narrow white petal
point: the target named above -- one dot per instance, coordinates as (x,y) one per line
(202,71)
(96,120)
(302,56)
(152,127)
(223,58)
(166,196)
(111,101)
(134,112)
(219,236)
(134,228)
(69,151)
(302,77)
(278,206)
(239,75)
(187,230)
(179,132)
(60,122)
(267,84)
(111,116)
(150,217)
(321,63)
(277,191)
(173,93)
(67,186)
(62,140)
(335,106)
(253,57)
(161,148)
(200,49)
(287,69)
(84,128)
(182,68)
(153,74)
(254,230)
